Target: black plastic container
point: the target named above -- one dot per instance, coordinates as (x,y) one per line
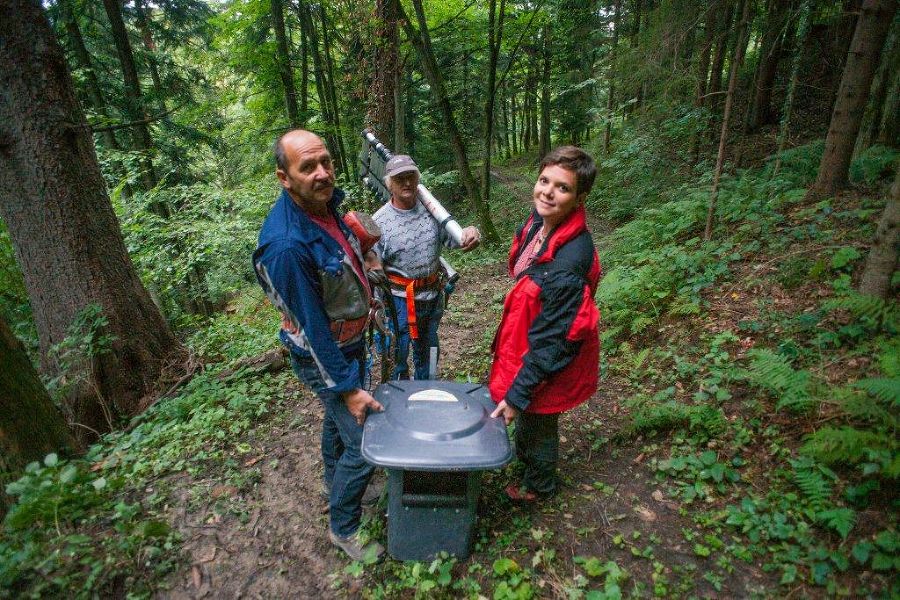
(434,438)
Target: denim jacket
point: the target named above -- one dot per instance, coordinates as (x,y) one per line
(310,280)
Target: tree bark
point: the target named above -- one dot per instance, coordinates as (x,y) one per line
(495,37)
(715,73)
(865,49)
(306,23)
(381,97)
(886,76)
(304,75)
(332,92)
(769,55)
(285,70)
(709,34)
(881,264)
(30,425)
(421,40)
(133,98)
(64,233)
(739,48)
(92,85)
(610,100)
(787,110)
(545,93)
(635,40)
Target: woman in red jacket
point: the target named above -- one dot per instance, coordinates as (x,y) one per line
(546,350)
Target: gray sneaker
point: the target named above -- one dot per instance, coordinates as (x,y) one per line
(370,553)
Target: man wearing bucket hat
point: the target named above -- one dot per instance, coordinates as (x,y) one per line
(410,249)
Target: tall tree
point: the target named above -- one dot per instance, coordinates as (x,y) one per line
(135,108)
(546,52)
(737,61)
(788,108)
(709,32)
(881,264)
(304,13)
(770,52)
(64,232)
(611,98)
(868,40)
(495,37)
(384,73)
(283,59)
(92,85)
(332,89)
(421,41)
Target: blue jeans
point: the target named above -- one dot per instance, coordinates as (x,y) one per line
(346,472)
(428,318)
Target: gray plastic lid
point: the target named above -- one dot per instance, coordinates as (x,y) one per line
(435,426)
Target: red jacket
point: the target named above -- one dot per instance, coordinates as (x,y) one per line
(546,351)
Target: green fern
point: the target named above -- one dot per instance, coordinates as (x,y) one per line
(814,481)
(684,306)
(839,519)
(846,445)
(774,373)
(883,314)
(885,389)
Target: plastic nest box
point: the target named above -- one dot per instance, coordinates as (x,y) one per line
(434,438)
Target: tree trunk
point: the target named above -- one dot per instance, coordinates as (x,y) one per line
(885,76)
(384,73)
(64,233)
(703,76)
(495,37)
(133,98)
(739,48)
(610,100)
(715,73)
(92,85)
(881,263)
(30,425)
(865,49)
(304,75)
(332,91)
(787,110)
(399,114)
(283,60)
(150,47)
(769,55)
(545,94)
(635,40)
(421,40)
(513,110)
(306,23)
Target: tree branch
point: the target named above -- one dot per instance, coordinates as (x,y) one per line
(146,121)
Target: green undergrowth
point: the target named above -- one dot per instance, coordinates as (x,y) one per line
(765,389)
(100,526)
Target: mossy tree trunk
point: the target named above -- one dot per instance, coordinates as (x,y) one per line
(881,263)
(64,232)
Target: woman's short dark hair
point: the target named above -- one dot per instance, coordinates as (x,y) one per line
(573,158)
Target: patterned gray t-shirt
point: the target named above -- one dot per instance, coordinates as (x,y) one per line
(410,244)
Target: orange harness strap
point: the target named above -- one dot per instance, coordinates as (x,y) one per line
(410,285)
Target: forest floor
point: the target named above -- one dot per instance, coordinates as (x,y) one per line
(269,539)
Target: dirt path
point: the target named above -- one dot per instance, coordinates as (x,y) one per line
(266,537)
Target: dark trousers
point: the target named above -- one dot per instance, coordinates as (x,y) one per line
(537,448)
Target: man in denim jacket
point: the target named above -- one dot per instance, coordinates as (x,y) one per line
(312,269)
